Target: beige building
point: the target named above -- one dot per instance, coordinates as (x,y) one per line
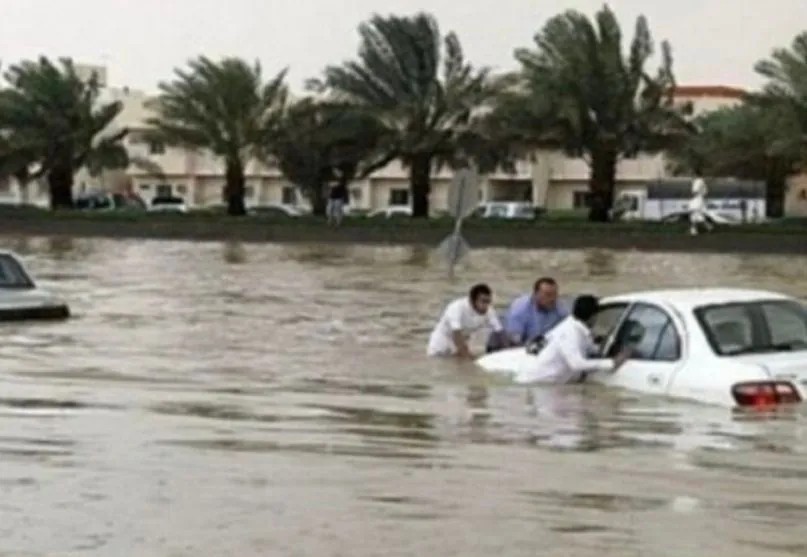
(550,180)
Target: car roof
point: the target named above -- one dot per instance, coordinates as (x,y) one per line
(690,298)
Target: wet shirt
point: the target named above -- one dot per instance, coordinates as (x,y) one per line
(525,321)
(460,315)
(565,356)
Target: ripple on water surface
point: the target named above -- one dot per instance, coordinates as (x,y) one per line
(214,399)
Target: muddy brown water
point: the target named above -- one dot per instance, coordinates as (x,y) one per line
(221,399)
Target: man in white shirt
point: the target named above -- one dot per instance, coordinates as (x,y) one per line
(697,206)
(462,319)
(565,355)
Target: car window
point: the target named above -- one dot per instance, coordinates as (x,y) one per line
(730,327)
(12,275)
(669,346)
(786,323)
(755,327)
(650,334)
(607,319)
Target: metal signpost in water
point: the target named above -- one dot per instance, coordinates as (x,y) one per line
(463,199)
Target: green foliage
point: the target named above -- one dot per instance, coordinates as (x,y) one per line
(318,143)
(423,91)
(224,107)
(52,123)
(578,91)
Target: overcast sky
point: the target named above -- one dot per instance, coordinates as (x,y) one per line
(141,41)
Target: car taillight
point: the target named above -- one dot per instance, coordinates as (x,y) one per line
(765,393)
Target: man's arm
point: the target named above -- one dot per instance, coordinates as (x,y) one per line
(578,362)
(463,351)
(455,322)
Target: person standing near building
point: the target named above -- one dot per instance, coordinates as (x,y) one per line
(337,199)
(697,206)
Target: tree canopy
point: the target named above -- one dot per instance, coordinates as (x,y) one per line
(52,123)
(579,91)
(421,88)
(224,107)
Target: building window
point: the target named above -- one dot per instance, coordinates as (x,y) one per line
(249,191)
(580,199)
(145,187)
(156,148)
(289,196)
(355,194)
(399,197)
(164,190)
(182,189)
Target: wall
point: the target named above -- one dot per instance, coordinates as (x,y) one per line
(796,197)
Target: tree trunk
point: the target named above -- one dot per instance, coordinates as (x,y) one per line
(778,171)
(420,185)
(601,184)
(317,198)
(235,188)
(60,183)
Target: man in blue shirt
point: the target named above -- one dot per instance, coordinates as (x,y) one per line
(531,315)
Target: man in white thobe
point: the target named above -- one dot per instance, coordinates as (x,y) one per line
(697,206)
(463,319)
(565,355)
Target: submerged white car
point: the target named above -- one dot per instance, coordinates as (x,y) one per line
(20,298)
(720,346)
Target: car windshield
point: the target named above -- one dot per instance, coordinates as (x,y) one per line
(12,275)
(755,327)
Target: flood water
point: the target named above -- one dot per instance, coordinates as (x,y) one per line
(225,399)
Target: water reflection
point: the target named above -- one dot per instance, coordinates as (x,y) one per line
(600,263)
(279,402)
(235,253)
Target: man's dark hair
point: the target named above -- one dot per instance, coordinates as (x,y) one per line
(585,307)
(480,290)
(549,281)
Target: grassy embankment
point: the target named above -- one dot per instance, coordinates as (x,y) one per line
(564,230)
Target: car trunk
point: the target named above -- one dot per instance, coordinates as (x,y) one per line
(788,366)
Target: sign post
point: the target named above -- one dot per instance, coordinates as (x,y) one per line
(463,198)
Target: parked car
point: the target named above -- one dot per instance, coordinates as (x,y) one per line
(168,204)
(394,211)
(275,210)
(711,216)
(102,201)
(507,210)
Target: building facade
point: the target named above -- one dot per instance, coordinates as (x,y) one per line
(549,179)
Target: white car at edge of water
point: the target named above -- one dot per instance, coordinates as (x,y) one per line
(20,298)
(729,347)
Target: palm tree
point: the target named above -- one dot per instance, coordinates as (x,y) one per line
(786,74)
(224,107)
(318,143)
(579,92)
(52,124)
(421,88)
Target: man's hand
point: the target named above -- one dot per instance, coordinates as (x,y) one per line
(622,357)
